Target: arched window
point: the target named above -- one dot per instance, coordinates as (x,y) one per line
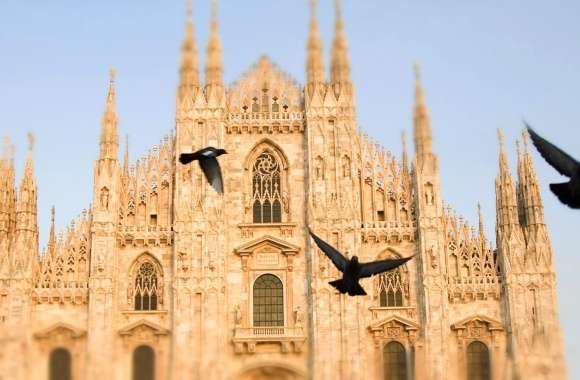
(143,363)
(147,281)
(267,201)
(478,361)
(392,286)
(268,301)
(395,361)
(60,365)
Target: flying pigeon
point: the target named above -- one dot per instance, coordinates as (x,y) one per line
(567,192)
(353,270)
(209,164)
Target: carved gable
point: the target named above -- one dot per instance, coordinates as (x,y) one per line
(267,252)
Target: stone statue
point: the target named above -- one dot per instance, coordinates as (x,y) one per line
(298,317)
(238,315)
(104,198)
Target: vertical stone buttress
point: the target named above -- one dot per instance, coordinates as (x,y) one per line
(200,237)
(103,269)
(535,349)
(432,289)
(334,208)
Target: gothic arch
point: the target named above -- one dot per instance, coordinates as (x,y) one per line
(266,184)
(262,145)
(391,289)
(145,283)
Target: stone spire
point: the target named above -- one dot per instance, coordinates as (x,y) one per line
(421,121)
(529,198)
(109,139)
(339,64)
(213,65)
(405,156)
(26,234)
(7,192)
(188,72)
(314,62)
(506,205)
(126,158)
(51,235)
(481,227)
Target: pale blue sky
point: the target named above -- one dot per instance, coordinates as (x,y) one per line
(486,64)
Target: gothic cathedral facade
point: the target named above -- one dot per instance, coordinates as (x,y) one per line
(163,278)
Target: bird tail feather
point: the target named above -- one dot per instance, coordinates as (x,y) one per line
(357,290)
(339,285)
(186,158)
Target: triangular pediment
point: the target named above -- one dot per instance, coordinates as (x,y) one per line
(60,328)
(408,324)
(143,323)
(264,75)
(492,323)
(264,241)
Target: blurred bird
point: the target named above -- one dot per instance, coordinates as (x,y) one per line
(353,270)
(567,192)
(207,158)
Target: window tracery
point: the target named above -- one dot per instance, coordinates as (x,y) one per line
(266,184)
(392,288)
(147,288)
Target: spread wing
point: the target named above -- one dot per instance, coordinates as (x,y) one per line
(555,156)
(380,266)
(213,173)
(337,258)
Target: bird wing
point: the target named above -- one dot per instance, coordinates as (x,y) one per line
(555,156)
(380,266)
(213,173)
(336,257)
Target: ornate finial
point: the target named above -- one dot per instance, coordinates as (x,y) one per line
(189,11)
(312,9)
(30,137)
(480,217)
(525,136)
(338,11)
(112,74)
(417,70)
(500,137)
(214,11)
(7,149)
(52,214)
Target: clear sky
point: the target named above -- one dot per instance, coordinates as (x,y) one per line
(485,64)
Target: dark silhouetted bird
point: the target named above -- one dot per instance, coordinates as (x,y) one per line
(567,192)
(352,270)
(207,158)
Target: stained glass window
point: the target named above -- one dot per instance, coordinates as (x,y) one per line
(395,361)
(146,287)
(478,361)
(268,301)
(267,201)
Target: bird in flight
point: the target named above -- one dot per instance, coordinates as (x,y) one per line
(207,158)
(567,192)
(352,270)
